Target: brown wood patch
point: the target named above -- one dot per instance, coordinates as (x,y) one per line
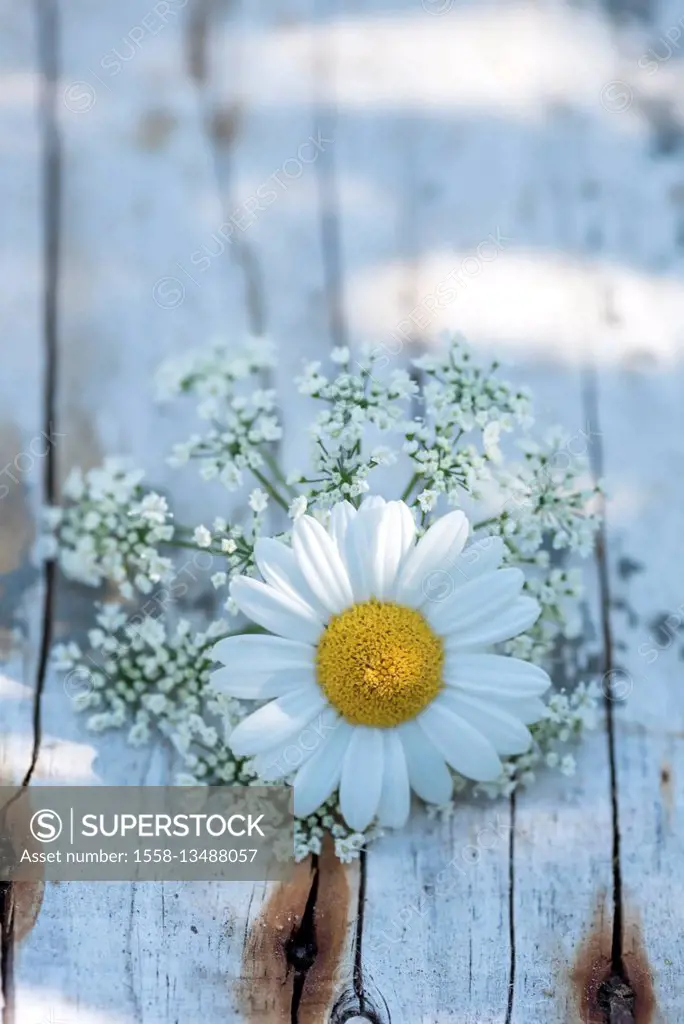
(604,993)
(17,529)
(294,950)
(28,899)
(24,899)
(637,968)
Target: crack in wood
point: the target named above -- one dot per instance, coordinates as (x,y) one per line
(294,956)
(596,454)
(12,924)
(359,1003)
(47,21)
(511,913)
(7,951)
(301,948)
(617,995)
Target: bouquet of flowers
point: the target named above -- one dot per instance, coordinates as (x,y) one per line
(385,631)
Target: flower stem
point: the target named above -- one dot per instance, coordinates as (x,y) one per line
(485,522)
(192,547)
(409,487)
(271,489)
(278,473)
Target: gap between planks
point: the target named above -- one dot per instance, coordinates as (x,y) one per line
(46,33)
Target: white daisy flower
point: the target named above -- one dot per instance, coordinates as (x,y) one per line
(377,669)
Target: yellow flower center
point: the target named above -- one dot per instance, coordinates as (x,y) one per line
(379,663)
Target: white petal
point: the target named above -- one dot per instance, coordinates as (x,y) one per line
(495,674)
(395,796)
(320,776)
(522,614)
(361,782)
(483,556)
(251,686)
(477,601)
(341,516)
(285,758)
(375,546)
(529,710)
(321,564)
(432,559)
(373,501)
(262,655)
(357,547)
(277,564)
(428,774)
(280,720)
(463,746)
(275,611)
(396,539)
(505,732)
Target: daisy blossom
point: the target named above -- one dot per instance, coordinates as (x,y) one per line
(377,665)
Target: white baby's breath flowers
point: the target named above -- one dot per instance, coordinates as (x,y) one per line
(202,537)
(258,500)
(148,669)
(243,417)
(110,529)
(297,507)
(340,355)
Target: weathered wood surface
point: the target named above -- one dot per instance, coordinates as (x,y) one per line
(402,136)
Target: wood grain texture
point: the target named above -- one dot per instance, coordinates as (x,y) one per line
(27,439)
(317,172)
(136,191)
(642,443)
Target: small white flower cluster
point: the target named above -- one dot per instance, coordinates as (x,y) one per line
(137,670)
(310,833)
(460,399)
(235,543)
(547,496)
(140,673)
(110,530)
(235,446)
(212,373)
(243,425)
(353,404)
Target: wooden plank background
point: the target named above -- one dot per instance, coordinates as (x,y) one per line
(397,136)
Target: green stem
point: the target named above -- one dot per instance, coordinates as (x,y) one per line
(277,471)
(409,487)
(192,547)
(485,522)
(271,489)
